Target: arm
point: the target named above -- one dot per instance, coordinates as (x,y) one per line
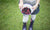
(21,1)
(38,1)
(36,5)
(21,4)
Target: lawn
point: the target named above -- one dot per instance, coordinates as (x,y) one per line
(11,17)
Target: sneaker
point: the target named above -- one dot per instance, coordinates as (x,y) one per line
(30,28)
(24,27)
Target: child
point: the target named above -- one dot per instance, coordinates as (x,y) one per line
(35,6)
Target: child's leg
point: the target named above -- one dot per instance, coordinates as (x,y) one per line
(25,19)
(33,17)
(32,21)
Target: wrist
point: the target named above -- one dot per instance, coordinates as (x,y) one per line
(36,5)
(21,2)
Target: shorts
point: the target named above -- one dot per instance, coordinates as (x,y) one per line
(36,11)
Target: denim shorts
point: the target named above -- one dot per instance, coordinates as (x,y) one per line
(36,11)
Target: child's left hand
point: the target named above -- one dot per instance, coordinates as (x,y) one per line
(34,7)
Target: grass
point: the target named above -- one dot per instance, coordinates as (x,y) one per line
(11,17)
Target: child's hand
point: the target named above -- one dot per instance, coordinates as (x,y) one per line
(20,5)
(34,7)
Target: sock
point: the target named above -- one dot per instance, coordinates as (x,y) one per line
(31,23)
(24,25)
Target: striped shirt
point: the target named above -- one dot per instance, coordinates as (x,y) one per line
(31,2)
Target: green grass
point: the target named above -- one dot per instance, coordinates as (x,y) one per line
(11,17)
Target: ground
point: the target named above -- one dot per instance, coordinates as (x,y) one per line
(11,17)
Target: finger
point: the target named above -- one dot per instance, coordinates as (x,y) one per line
(22,7)
(32,8)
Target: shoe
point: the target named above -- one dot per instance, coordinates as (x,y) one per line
(30,28)
(24,27)
(31,25)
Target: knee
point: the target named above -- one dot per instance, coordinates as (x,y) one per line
(33,17)
(25,18)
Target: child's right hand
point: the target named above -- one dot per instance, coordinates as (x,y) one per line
(20,5)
